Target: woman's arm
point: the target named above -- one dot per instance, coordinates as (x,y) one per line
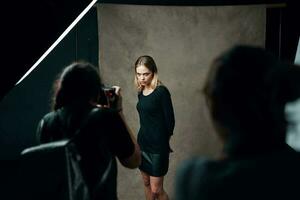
(168,110)
(134,160)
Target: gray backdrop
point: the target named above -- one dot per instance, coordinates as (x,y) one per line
(183,41)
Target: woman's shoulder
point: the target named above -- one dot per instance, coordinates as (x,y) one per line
(140,93)
(104,113)
(162,89)
(50,116)
(49,121)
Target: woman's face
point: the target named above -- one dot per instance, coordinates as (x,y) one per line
(144,75)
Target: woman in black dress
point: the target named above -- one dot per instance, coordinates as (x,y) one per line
(156,126)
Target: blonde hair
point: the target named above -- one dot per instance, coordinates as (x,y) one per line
(149,63)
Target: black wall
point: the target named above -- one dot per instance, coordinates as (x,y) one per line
(283,31)
(26,103)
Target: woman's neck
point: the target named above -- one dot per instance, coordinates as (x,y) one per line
(147,90)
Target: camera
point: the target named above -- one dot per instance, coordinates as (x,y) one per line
(107,96)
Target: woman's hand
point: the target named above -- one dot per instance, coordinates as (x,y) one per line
(117,103)
(117,90)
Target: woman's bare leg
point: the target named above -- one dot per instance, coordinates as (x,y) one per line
(156,185)
(147,186)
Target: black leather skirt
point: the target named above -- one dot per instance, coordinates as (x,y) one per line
(155,164)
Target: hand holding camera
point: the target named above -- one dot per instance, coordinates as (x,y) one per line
(111,97)
(117,104)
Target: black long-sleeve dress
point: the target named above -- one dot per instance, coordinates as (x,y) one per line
(156,120)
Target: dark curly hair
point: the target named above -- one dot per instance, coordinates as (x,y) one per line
(77,84)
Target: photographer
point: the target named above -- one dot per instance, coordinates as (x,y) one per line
(103,133)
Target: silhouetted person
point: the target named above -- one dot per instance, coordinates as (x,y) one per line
(247,109)
(290,91)
(103,131)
